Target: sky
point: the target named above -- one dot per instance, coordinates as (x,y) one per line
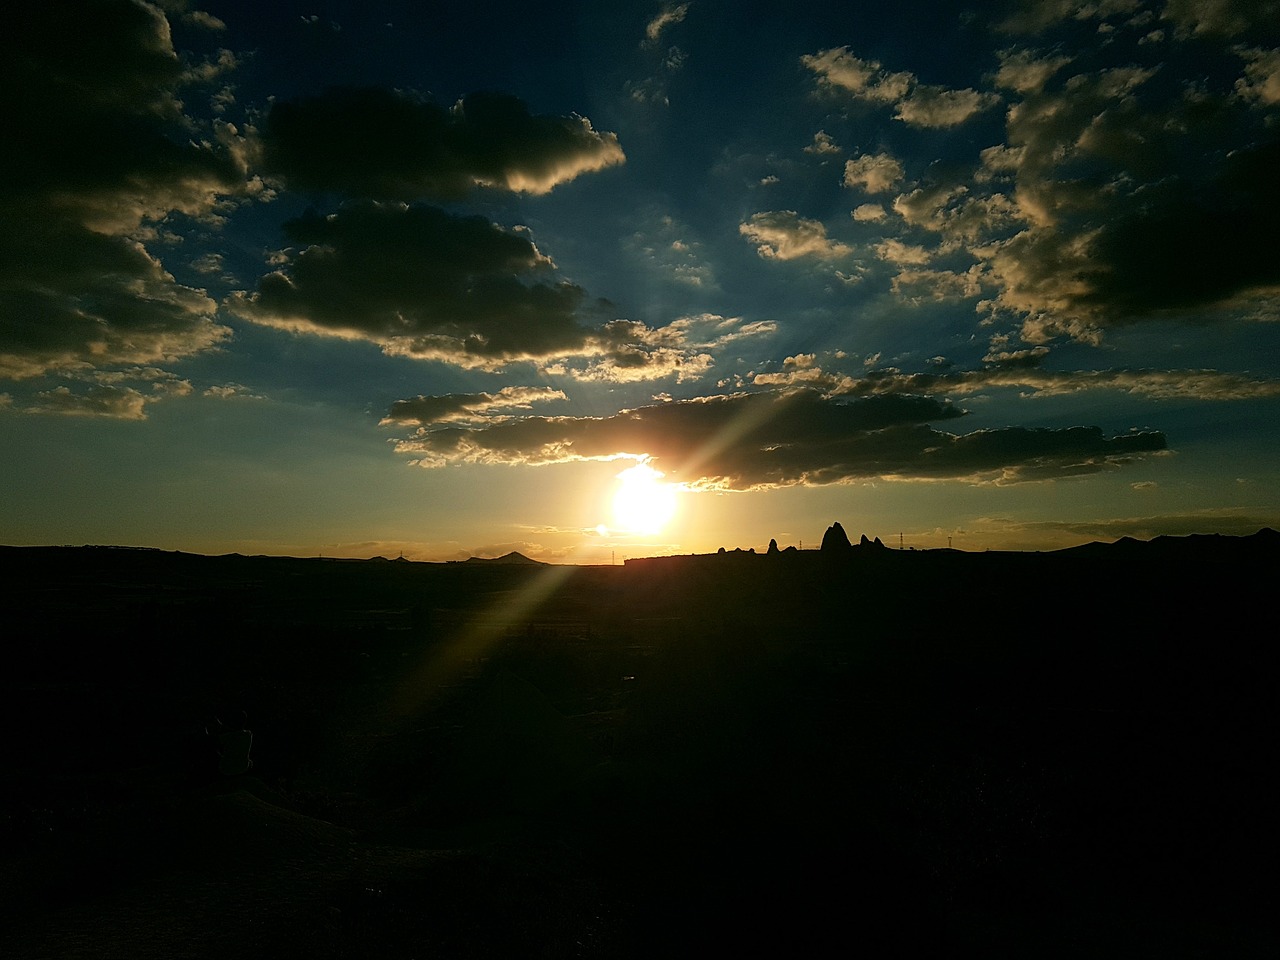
(596,281)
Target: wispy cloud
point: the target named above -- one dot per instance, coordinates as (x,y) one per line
(917,104)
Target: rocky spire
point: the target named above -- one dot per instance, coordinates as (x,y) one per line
(835,538)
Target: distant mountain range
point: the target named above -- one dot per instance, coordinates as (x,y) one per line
(1203,545)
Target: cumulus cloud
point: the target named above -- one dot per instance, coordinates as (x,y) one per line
(420,282)
(102,151)
(74,300)
(751,441)
(917,104)
(868,213)
(874,173)
(1115,198)
(395,145)
(785,235)
(427,284)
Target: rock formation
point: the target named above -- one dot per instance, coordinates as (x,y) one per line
(835,539)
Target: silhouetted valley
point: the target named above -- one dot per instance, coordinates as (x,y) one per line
(856,750)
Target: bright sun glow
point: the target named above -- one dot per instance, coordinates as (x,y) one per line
(643,503)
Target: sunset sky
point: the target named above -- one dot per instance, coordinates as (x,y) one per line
(358,279)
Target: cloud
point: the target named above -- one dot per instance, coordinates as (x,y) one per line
(937,107)
(207,20)
(670,14)
(1020,369)
(420,282)
(101,152)
(785,235)
(1261,80)
(73,300)
(822,145)
(1025,71)
(429,285)
(394,145)
(918,104)
(1184,248)
(866,79)
(1227,18)
(627,350)
(874,173)
(895,251)
(461,407)
(665,246)
(228,391)
(751,441)
(113,403)
(868,213)
(919,286)
(1119,195)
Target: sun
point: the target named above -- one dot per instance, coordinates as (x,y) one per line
(643,503)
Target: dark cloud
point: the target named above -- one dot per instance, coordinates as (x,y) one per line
(392,145)
(427,284)
(758,440)
(72,299)
(1189,244)
(98,146)
(421,411)
(422,283)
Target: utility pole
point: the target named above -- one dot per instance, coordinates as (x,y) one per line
(899,540)
(948,543)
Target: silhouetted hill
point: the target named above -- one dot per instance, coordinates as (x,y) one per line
(508,558)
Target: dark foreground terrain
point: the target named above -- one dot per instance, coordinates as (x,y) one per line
(863,753)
